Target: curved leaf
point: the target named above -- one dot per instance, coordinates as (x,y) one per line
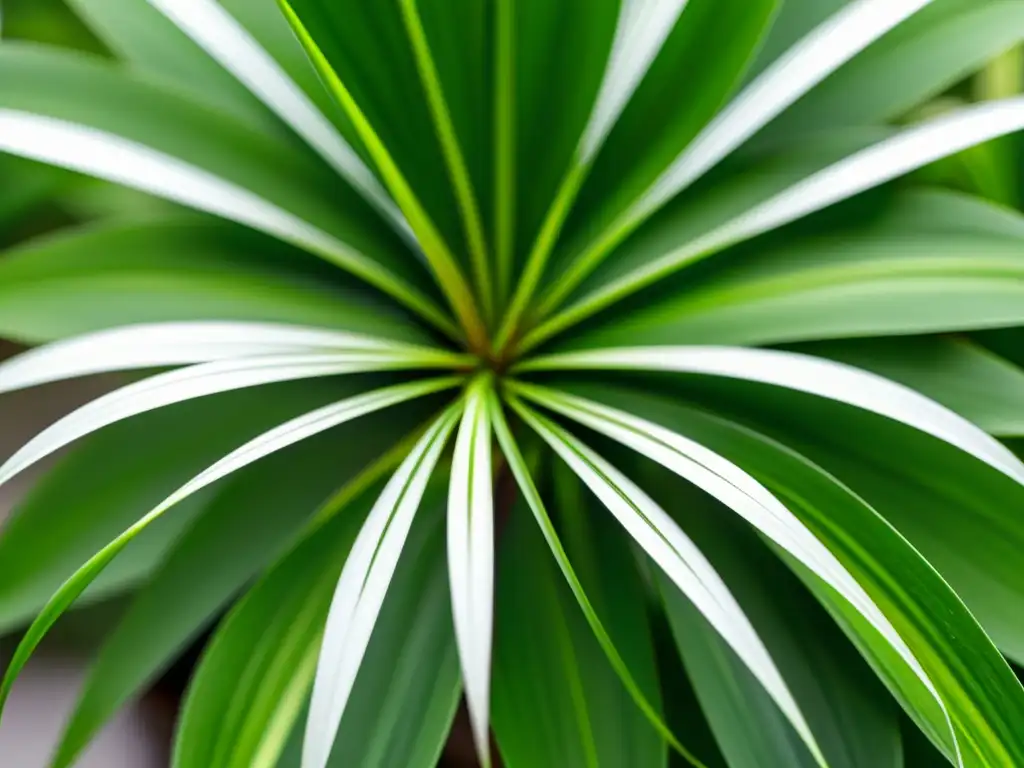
(517,464)
(137,32)
(958,373)
(823,50)
(266,444)
(70,111)
(978,688)
(176,387)
(229,43)
(656,124)
(254,680)
(363,587)
(665,543)
(556,701)
(855,721)
(90,504)
(844,286)
(893,157)
(802,373)
(162,344)
(179,269)
(806,64)
(245,526)
(925,56)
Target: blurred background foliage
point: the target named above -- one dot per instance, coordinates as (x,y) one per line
(35,198)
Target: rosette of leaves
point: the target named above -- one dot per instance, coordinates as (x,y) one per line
(592,360)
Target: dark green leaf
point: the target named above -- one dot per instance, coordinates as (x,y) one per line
(243,527)
(977,686)
(556,700)
(701,62)
(253,683)
(112,479)
(176,269)
(853,718)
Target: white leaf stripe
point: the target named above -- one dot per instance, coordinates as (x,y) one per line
(736,489)
(517,464)
(642,29)
(363,586)
(113,158)
(909,150)
(913,148)
(666,543)
(471,559)
(150,345)
(803,373)
(270,442)
(230,44)
(187,384)
(806,64)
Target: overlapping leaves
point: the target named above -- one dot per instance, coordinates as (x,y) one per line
(491,179)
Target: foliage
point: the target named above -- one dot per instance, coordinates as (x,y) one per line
(626,344)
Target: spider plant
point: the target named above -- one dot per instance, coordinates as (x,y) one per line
(592,360)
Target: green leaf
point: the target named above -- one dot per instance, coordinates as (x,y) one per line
(961,375)
(859,172)
(282,436)
(363,587)
(840,286)
(556,700)
(182,268)
(86,115)
(942,211)
(434,242)
(253,682)
(450,42)
(221,36)
(924,57)
(800,373)
(854,720)
(263,20)
(641,698)
(662,539)
(139,34)
(245,526)
(187,384)
(471,557)
(89,504)
(657,124)
(952,509)
(402,707)
(817,55)
(25,186)
(741,493)
(976,685)
(794,19)
(561,54)
(745,184)
(389,96)
(562,57)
